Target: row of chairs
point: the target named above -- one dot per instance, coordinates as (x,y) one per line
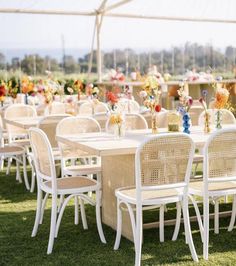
(162,171)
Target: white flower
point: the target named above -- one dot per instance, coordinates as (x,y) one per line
(70,90)
(143,94)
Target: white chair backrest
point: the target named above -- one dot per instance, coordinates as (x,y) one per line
(102,119)
(227,117)
(219,164)
(195,112)
(16,111)
(90,108)
(43,157)
(128,106)
(48,125)
(55,108)
(75,125)
(131,122)
(164,160)
(162,120)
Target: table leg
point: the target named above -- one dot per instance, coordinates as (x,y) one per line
(117,171)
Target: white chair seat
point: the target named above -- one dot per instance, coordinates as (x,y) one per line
(11,150)
(84,169)
(72,185)
(129,194)
(21,142)
(223,188)
(198,158)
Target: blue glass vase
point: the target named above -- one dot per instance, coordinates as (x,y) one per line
(186,123)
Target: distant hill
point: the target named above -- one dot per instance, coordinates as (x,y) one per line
(53,53)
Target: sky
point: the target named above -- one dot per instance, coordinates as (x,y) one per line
(21,31)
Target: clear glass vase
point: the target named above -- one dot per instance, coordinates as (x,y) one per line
(154,123)
(218,119)
(207,119)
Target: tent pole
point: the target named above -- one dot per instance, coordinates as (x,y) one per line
(99,54)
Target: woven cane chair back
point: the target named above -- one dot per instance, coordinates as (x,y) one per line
(75,126)
(128,106)
(165,160)
(227,117)
(57,108)
(135,121)
(48,124)
(16,111)
(42,154)
(221,153)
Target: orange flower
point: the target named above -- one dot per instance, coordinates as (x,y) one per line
(222,96)
(116,119)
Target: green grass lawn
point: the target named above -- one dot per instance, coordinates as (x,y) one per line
(75,246)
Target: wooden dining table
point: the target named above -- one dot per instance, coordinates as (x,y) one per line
(118,164)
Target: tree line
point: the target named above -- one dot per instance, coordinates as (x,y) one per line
(175,61)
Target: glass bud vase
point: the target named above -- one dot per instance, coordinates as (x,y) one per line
(207,119)
(26,98)
(186,123)
(119,130)
(218,119)
(154,123)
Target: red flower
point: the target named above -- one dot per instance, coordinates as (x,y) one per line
(2,91)
(111,97)
(201,100)
(158,108)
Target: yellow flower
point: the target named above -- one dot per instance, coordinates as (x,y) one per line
(116,119)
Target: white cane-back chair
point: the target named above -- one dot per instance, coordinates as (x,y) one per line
(219,179)
(162,172)
(17,153)
(16,134)
(93,107)
(48,125)
(131,122)
(195,112)
(55,108)
(77,126)
(48,183)
(128,106)
(227,117)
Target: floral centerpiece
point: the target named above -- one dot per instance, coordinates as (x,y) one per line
(151,98)
(186,102)
(12,88)
(112,100)
(27,87)
(207,115)
(3,93)
(221,99)
(117,120)
(78,87)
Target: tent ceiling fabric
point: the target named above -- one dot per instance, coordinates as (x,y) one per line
(200,10)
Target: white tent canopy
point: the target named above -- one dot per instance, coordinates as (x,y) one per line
(213,11)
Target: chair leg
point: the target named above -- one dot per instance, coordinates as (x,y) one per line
(118,226)
(83,215)
(233,215)
(188,232)
(98,216)
(43,207)
(1,163)
(138,237)
(25,172)
(199,219)
(161,223)
(216,217)
(53,224)
(178,221)
(38,212)
(65,202)
(18,175)
(8,166)
(76,210)
(206,227)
